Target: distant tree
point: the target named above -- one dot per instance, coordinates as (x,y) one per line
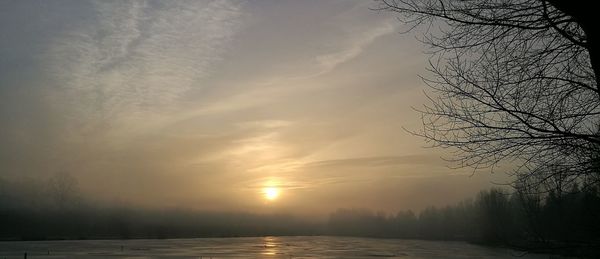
(63,190)
(495,215)
(513,81)
(406,224)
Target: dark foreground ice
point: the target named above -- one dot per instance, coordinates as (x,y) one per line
(255,247)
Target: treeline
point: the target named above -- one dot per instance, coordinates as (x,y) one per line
(121,223)
(54,209)
(552,219)
(37,210)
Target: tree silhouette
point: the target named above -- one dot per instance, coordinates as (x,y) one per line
(513,81)
(63,190)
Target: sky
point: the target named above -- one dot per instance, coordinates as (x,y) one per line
(204,104)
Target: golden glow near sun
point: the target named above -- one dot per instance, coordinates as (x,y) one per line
(271,193)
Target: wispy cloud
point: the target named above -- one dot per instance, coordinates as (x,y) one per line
(264,91)
(376,161)
(139,57)
(356,46)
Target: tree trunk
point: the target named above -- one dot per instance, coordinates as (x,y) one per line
(585,15)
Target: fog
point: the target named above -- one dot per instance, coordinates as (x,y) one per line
(56,210)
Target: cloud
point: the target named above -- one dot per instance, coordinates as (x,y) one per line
(136,58)
(376,161)
(163,102)
(343,42)
(268,124)
(356,46)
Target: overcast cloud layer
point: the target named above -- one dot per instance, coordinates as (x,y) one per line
(201,104)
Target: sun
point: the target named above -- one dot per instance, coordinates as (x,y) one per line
(271,193)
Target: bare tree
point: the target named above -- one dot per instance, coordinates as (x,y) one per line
(513,82)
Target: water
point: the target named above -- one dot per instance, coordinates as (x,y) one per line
(255,247)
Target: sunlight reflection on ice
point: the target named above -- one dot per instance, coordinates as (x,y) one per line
(270,247)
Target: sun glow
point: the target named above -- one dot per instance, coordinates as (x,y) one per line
(271,193)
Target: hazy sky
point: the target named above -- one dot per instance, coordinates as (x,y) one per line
(202,104)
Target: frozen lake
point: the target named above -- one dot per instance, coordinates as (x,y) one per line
(255,247)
